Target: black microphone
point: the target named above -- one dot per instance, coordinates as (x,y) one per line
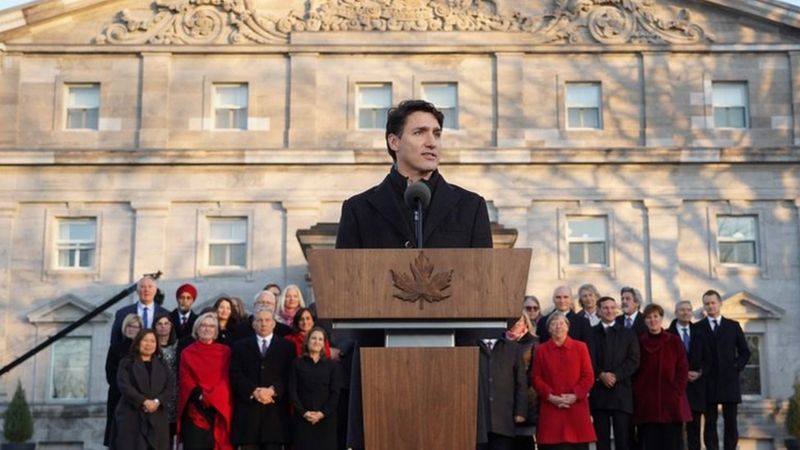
(417,197)
(417,192)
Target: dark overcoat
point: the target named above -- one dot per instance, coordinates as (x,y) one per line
(379,218)
(699,356)
(579,329)
(133,428)
(617,352)
(119,316)
(502,388)
(638,323)
(729,356)
(186,329)
(254,423)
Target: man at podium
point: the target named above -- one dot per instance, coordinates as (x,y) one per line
(380,216)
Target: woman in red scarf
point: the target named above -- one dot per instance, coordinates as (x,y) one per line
(204,396)
(660,405)
(303,322)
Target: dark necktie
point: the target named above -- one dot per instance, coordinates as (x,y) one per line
(183,321)
(685,338)
(263,347)
(144,316)
(628,322)
(716,325)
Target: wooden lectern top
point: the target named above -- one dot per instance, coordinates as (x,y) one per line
(418,284)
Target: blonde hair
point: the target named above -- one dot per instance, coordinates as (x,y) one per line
(282,299)
(132,317)
(202,318)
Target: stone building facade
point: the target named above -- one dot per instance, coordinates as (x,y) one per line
(645,143)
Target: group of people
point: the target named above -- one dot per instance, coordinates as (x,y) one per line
(221,379)
(651,385)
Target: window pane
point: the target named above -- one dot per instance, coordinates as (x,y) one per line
(576,252)
(729,94)
(87,258)
(234,95)
(376,95)
(240,119)
(443,95)
(75,119)
(586,228)
(737,227)
(70,230)
(584,95)
(222,118)
(84,97)
(92,119)
(596,252)
(217,254)
(450,118)
(66,258)
(750,377)
(372,118)
(70,369)
(238,256)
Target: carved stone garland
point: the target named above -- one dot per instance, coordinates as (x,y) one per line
(572,21)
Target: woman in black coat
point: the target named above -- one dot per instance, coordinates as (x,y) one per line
(314,385)
(144,380)
(131,325)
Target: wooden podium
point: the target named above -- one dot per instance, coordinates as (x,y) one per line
(419,392)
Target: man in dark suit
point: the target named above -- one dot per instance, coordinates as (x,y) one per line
(265,299)
(144,308)
(698,353)
(502,392)
(729,356)
(579,327)
(259,372)
(380,218)
(615,360)
(183,317)
(631,317)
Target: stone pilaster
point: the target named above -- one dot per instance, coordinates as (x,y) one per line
(658,101)
(154,111)
(8,212)
(302,127)
(663,231)
(794,71)
(149,236)
(300,214)
(510,111)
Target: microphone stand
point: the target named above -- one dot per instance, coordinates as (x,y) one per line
(418,222)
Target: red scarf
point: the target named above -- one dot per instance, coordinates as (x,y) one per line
(298,339)
(206,366)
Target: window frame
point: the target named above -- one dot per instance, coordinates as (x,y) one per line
(58,243)
(762,336)
(571,241)
(727,239)
(202,239)
(746,106)
(358,107)
(227,243)
(52,369)
(565,269)
(719,269)
(599,107)
(67,107)
(231,109)
(53,217)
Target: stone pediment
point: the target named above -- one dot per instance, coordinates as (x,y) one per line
(744,305)
(66,309)
(568,21)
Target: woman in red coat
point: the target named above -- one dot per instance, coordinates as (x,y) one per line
(204,394)
(660,405)
(563,377)
(302,323)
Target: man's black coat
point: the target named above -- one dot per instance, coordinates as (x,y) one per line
(254,423)
(699,357)
(638,323)
(379,217)
(502,388)
(186,329)
(119,317)
(617,352)
(729,356)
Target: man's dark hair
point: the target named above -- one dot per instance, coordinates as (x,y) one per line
(602,300)
(712,292)
(396,118)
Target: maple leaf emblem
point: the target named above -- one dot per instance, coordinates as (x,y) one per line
(421,285)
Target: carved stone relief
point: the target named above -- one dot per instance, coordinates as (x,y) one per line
(236,21)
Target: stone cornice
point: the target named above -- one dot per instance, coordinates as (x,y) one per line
(489,157)
(169,22)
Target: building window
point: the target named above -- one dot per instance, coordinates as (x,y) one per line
(586,237)
(750,377)
(445,97)
(583,105)
(76,244)
(729,100)
(83,106)
(373,103)
(230,106)
(69,374)
(736,236)
(227,243)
